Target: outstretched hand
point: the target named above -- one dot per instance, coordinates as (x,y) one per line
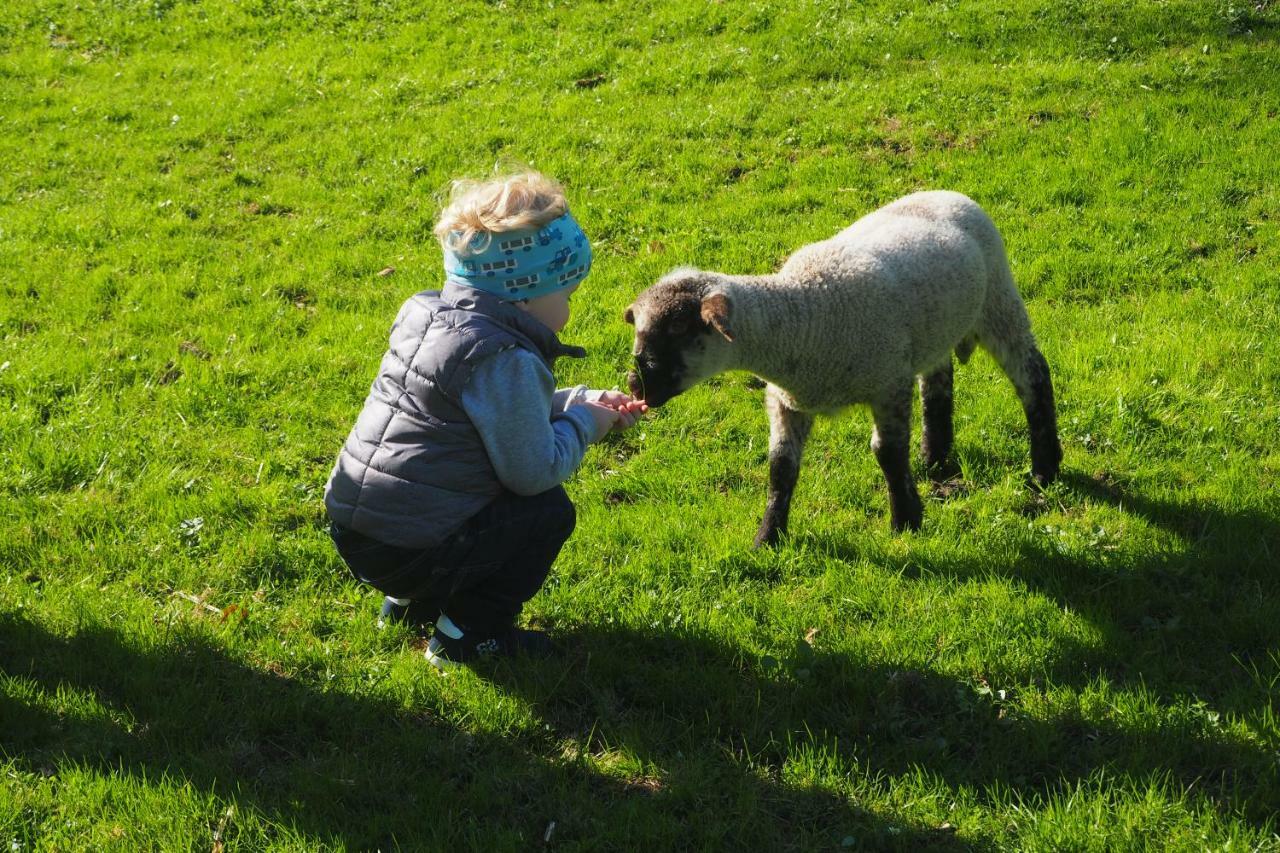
(605,418)
(629,409)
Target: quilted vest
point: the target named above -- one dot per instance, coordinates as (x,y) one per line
(413,468)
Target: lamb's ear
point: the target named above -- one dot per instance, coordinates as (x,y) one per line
(715,313)
(629,316)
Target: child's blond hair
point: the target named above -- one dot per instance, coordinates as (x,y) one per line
(477,209)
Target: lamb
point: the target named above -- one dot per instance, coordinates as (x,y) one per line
(854,319)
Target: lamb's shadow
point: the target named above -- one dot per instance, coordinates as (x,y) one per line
(1205,529)
(1194,620)
(665,697)
(362,772)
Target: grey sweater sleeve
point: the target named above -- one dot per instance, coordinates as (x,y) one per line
(566,397)
(509,400)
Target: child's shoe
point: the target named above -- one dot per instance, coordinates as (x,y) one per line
(405,612)
(443,651)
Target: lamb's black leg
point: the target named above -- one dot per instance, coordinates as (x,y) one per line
(936,403)
(1042,418)
(1027,369)
(788,430)
(891,442)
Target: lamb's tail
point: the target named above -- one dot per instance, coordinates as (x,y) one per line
(965,348)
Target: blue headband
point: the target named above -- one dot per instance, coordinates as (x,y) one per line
(524,264)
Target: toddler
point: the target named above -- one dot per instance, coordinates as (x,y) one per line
(447,495)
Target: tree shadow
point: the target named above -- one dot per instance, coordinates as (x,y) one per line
(1194,622)
(702,726)
(664,697)
(1193,618)
(367,772)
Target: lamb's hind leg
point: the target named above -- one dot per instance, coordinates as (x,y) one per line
(788,431)
(1029,372)
(891,442)
(936,437)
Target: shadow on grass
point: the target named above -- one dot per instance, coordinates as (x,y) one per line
(728,746)
(1193,626)
(367,772)
(1197,619)
(662,697)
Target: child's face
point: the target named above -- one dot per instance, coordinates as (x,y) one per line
(551,310)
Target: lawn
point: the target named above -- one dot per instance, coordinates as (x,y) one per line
(199,207)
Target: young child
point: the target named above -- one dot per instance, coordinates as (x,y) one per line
(447,495)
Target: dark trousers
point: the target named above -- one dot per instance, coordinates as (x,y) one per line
(481,575)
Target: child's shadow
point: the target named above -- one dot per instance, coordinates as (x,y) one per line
(676,702)
(366,771)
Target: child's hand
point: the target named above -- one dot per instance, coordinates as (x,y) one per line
(615,399)
(604,417)
(628,414)
(629,409)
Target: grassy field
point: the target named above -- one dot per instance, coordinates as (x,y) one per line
(196,202)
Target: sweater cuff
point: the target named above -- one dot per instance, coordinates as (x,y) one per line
(564,398)
(581,420)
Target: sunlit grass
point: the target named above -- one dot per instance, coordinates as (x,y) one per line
(197,201)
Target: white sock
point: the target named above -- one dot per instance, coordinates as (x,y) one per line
(445,626)
(399,602)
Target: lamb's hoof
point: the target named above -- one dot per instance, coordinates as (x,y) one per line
(766,538)
(911,523)
(1045,463)
(1040,481)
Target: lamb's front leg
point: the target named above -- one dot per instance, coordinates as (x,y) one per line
(788,430)
(891,442)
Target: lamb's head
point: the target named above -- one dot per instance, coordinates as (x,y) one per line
(684,334)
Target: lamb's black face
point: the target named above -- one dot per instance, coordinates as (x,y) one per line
(670,333)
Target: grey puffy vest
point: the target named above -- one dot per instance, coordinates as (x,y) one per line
(414,468)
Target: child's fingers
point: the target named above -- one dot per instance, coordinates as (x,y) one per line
(624,404)
(615,399)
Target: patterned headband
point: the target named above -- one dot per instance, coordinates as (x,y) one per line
(526,263)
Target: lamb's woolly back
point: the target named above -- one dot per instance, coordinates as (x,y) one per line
(891,296)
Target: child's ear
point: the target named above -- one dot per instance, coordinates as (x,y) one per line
(629,316)
(715,313)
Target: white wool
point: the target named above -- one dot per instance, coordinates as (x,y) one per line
(890,297)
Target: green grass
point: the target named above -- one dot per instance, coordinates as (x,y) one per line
(196,200)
